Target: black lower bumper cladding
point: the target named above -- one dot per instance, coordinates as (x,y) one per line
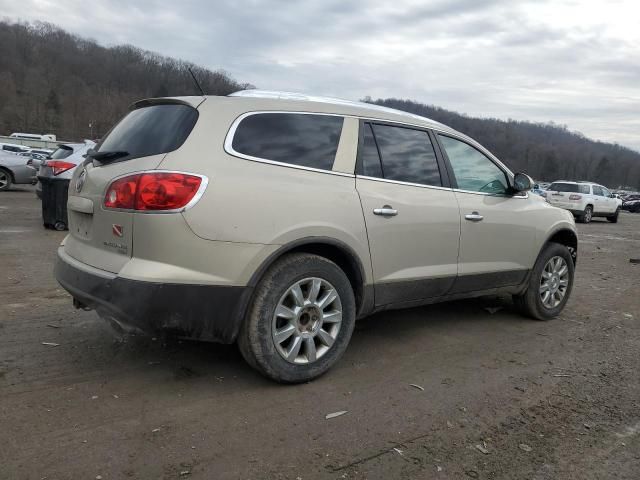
(202,312)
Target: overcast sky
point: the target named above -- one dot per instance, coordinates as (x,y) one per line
(571,62)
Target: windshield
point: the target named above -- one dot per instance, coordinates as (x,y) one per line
(150,131)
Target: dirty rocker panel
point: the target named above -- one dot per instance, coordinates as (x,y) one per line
(411,293)
(202,312)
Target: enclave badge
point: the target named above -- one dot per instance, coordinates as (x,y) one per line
(80,181)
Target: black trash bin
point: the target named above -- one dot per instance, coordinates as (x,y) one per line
(55,192)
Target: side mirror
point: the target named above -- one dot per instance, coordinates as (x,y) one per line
(522,182)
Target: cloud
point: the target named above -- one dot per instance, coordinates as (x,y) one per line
(571,62)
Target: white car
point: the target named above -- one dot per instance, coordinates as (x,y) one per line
(584,199)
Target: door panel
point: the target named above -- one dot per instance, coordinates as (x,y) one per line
(501,241)
(496,236)
(414,253)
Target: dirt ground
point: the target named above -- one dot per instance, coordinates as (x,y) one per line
(504,397)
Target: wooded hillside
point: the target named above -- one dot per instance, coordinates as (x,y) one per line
(545,151)
(55,82)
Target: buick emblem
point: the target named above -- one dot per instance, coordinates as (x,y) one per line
(81,179)
(117,230)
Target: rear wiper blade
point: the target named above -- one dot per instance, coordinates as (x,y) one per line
(112,155)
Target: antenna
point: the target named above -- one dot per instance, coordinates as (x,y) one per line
(195,80)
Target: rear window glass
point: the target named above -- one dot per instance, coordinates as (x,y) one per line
(61,153)
(569,187)
(151,130)
(306,140)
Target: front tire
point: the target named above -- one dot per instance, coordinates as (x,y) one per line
(614,218)
(301,319)
(550,284)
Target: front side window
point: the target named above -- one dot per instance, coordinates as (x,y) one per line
(597,191)
(473,170)
(605,192)
(307,140)
(407,155)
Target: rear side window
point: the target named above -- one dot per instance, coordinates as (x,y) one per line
(407,155)
(567,187)
(151,130)
(306,140)
(369,157)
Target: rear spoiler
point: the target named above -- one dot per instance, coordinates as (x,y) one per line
(194,102)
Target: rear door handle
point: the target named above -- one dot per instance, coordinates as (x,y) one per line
(473,217)
(386,211)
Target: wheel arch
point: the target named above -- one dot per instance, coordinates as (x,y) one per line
(336,251)
(566,237)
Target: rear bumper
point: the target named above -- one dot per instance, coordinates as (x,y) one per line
(202,312)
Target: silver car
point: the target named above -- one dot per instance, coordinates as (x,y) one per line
(63,162)
(14,169)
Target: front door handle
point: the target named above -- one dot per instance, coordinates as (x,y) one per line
(473,217)
(386,211)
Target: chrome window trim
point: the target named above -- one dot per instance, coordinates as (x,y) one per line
(435,187)
(505,195)
(192,202)
(228,142)
(400,182)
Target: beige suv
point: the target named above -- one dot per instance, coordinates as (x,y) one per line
(275,220)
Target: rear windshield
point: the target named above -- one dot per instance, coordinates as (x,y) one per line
(569,187)
(151,130)
(61,153)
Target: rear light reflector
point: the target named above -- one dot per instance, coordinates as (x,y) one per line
(153,191)
(575,197)
(58,166)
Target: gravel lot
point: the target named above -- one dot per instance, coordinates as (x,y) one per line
(504,397)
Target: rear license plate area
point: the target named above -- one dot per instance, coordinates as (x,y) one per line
(80,224)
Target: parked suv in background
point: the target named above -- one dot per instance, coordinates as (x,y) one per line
(585,200)
(275,220)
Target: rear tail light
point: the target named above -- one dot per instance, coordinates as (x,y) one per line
(154,191)
(58,166)
(575,197)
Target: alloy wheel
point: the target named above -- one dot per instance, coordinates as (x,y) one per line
(554,282)
(307,320)
(4,179)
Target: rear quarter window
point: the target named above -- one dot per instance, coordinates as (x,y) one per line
(151,130)
(307,140)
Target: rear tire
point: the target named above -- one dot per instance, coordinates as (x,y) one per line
(310,332)
(614,218)
(5,180)
(531,303)
(587,215)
